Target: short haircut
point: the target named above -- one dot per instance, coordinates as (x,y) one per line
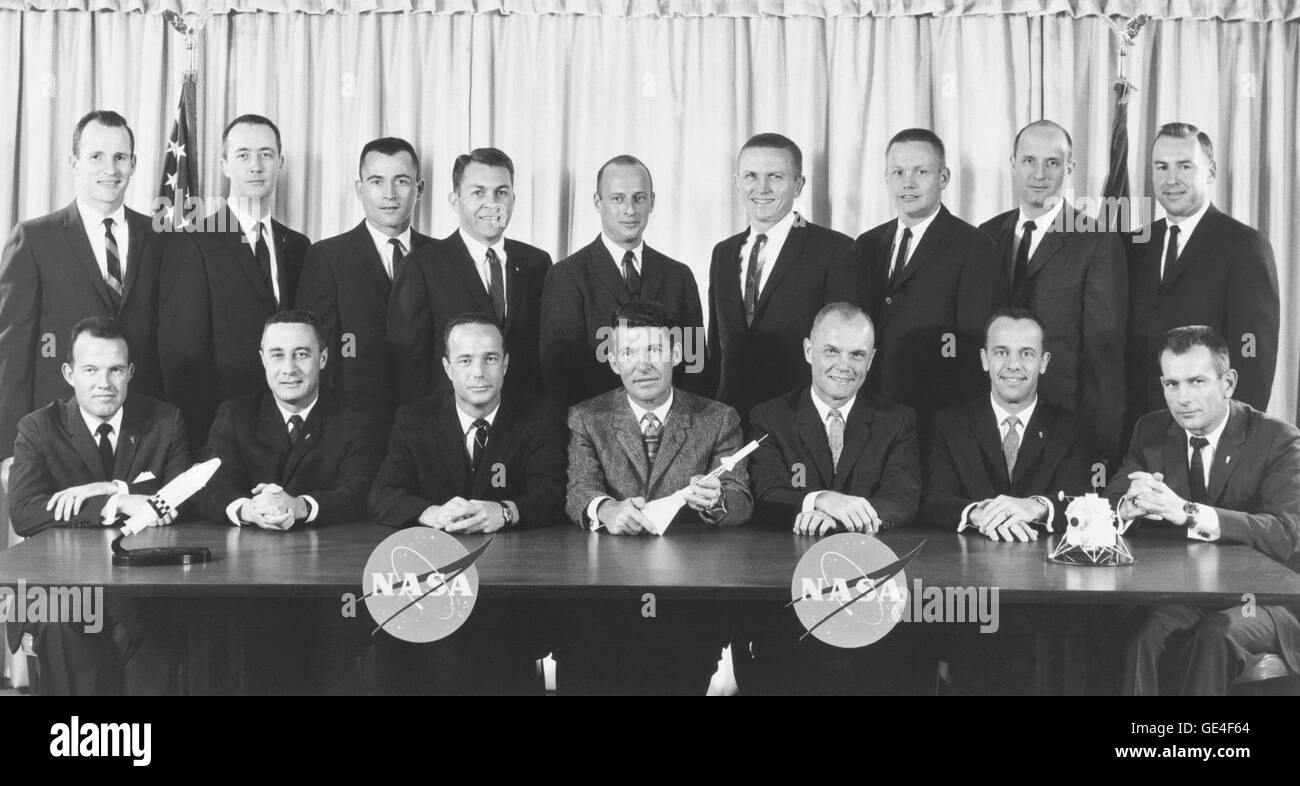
(98,327)
(623,160)
(105,117)
(471,318)
(777,142)
(252,120)
(1013,312)
(1187,131)
(643,314)
(297,316)
(1069,143)
(388,146)
(843,311)
(487,156)
(920,135)
(1180,340)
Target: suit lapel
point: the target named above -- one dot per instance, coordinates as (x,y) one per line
(985,431)
(75,233)
(652,273)
(82,440)
(812,433)
(451,445)
(128,441)
(514,285)
(1193,246)
(728,295)
(1175,473)
(628,434)
(467,268)
(369,261)
(1227,454)
(607,272)
(674,436)
(790,251)
(1048,247)
(312,432)
(1032,440)
(245,257)
(286,277)
(1005,240)
(497,451)
(935,238)
(139,232)
(857,433)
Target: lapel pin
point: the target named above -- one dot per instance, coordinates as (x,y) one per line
(1227,459)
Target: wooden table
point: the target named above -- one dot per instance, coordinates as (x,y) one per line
(689,562)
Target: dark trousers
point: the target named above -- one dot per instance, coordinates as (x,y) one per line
(132,654)
(1198,652)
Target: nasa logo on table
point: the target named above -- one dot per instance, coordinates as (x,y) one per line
(421,584)
(849,590)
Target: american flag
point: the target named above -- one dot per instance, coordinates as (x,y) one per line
(180,179)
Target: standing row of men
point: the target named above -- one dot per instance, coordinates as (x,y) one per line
(193,301)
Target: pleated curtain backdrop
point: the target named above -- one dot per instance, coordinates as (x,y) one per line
(563,86)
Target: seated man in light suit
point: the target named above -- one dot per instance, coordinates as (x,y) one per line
(861,462)
(994,464)
(636,444)
(835,459)
(1227,473)
(469,461)
(77,461)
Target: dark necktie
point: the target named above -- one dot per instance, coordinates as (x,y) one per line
(263,254)
(753,272)
(651,432)
(481,429)
(1011,444)
(397,256)
(295,429)
(1020,273)
(497,287)
(1171,256)
(900,260)
(105,449)
(1196,472)
(630,275)
(113,258)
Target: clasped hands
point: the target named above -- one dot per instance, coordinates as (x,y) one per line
(67,503)
(465,515)
(833,510)
(1149,497)
(272,508)
(1008,518)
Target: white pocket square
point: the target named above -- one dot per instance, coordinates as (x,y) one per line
(143,476)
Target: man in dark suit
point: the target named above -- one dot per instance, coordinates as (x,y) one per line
(475,269)
(224,277)
(628,447)
(1074,276)
(347,279)
(584,290)
(995,463)
(81,463)
(290,454)
(471,461)
(1225,472)
(767,283)
(933,280)
(859,453)
(94,257)
(1198,266)
(835,458)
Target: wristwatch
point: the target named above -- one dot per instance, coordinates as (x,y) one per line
(507,513)
(1192,510)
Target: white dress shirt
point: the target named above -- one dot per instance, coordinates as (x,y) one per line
(1041,225)
(638,412)
(616,251)
(918,229)
(478,253)
(93,221)
(313,509)
(1186,227)
(1000,415)
(823,413)
(385,248)
(248,226)
(767,256)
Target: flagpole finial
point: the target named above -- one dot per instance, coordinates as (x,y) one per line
(1126,32)
(188,24)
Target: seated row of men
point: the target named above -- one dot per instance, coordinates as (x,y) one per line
(193,300)
(481,457)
